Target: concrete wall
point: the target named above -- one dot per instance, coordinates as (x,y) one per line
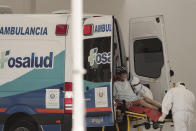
(18,6)
(36,6)
(48,6)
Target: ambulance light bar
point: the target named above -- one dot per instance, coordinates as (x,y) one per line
(88,29)
(61,29)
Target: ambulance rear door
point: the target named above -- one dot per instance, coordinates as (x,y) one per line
(148,54)
(98,64)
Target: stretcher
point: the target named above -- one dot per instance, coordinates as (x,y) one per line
(136,117)
(147,121)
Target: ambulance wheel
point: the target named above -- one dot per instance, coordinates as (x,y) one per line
(155,125)
(23,125)
(147,125)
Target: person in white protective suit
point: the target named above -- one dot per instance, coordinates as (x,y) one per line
(140,89)
(181,101)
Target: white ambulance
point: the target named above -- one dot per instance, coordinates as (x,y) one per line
(35,68)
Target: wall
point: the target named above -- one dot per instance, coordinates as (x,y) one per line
(48,6)
(18,6)
(36,6)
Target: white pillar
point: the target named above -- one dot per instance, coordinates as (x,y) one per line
(78,71)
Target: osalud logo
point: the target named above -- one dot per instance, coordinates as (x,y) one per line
(98,58)
(26,62)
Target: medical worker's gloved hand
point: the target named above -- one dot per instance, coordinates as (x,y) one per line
(162,118)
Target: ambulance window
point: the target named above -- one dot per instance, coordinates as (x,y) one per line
(97,56)
(148,57)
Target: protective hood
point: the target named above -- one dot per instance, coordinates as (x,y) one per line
(180,84)
(135,81)
(136,84)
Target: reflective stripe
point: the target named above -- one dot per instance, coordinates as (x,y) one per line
(68,104)
(99,109)
(68,94)
(68,108)
(50,110)
(3,109)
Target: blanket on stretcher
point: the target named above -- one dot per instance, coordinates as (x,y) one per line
(153,115)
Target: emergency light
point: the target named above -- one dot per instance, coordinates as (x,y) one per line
(88,29)
(68,97)
(68,86)
(61,29)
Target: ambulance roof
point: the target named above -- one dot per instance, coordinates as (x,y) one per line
(69,12)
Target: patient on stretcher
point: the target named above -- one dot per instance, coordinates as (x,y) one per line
(122,91)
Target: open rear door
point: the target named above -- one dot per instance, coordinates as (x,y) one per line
(98,64)
(148,54)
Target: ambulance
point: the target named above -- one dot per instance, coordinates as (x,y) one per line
(36,68)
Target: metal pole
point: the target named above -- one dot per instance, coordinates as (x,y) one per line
(78,71)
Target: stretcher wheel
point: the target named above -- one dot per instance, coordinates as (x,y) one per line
(155,125)
(147,125)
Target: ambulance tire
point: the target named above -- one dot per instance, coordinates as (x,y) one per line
(23,124)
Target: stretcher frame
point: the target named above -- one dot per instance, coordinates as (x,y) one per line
(137,117)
